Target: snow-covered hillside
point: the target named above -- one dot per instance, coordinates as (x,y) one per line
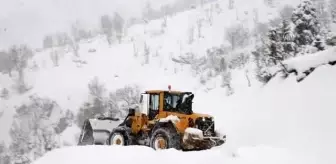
(285,121)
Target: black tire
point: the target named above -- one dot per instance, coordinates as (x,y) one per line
(168,135)
(117,138)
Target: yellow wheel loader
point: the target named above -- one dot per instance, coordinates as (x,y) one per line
(163,119)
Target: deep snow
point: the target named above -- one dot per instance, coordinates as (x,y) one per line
(282,122)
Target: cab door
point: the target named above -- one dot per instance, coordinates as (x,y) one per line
(154,105)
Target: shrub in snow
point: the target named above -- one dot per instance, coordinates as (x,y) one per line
(92,50)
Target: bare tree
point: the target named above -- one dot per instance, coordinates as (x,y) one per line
(199,27)
(96,88)
(191,34)
(4,93)
(118,23)
(146,53)
(48,41)
(226,82)
(20,56)
(54,56)
(6,63)
(231,4)
(125,98)
(238,36)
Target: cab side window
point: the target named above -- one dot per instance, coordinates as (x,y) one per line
(154,102)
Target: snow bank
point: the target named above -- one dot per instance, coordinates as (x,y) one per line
(70,135)
(285,113)
(146,155)
(302,66)
(303,63)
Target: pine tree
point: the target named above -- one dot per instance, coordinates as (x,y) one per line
(275,46)
(287,39)
(306,24)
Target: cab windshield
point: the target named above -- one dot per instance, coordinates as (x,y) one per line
(181,103)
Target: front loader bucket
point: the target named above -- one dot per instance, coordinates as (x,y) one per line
(86,137)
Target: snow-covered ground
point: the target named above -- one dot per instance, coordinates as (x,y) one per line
(282,122)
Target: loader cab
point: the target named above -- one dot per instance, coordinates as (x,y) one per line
(159,102)
(179,102)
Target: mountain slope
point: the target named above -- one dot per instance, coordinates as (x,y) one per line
(283,122)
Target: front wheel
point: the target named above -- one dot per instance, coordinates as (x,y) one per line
(165,138)
(117,139)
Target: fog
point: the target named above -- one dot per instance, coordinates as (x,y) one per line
(27,21)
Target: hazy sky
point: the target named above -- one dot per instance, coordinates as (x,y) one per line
(26,21)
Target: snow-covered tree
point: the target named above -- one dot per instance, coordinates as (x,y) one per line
(106,25)
(33,129)
(4,154)
(262,61)
(96,103)
(307,27)
(286,34)
(125,98)
(332,10)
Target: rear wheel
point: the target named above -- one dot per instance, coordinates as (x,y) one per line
(117,139)
(165,138)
